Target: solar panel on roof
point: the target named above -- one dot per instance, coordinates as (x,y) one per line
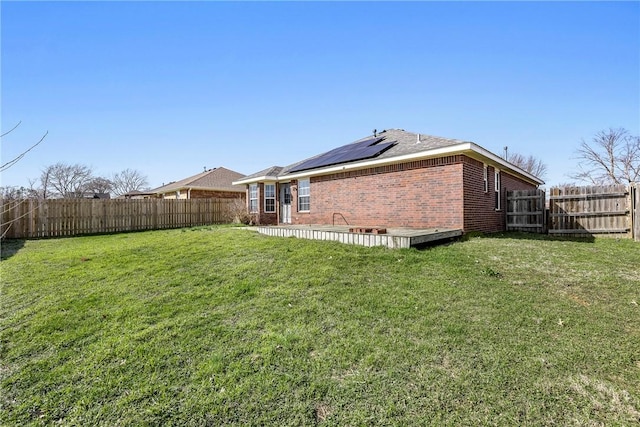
(347,153)
(367,152)
(334,156)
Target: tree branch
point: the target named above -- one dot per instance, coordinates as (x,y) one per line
(12,162)
(11,130)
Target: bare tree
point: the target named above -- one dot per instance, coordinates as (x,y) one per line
(612,157)
(100,185)
(128,180)
(74,181)
(40,188)
(13,192)
(529,164)
(68,181)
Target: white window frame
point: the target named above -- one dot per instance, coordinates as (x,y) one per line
(253,198)
(497,185)
(485,176)
(269,196)
(304,192)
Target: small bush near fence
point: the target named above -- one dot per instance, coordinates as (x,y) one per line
(33,218)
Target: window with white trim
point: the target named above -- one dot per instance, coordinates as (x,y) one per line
(253,198)
(304,195)
(485,176)
(270,198)
(497,189)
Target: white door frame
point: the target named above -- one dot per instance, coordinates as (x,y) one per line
(285,203)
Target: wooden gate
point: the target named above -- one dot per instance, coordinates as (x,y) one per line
(634,189)
(526,211)
(594,210)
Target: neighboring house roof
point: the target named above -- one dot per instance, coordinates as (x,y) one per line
(94,195)
(408,146)
(269,173)
(136,193)
(217,179)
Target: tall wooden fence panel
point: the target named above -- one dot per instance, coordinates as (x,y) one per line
(634,189)
(595,210)
(526,211)
(73,217)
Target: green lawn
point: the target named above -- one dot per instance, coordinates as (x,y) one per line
(220,325)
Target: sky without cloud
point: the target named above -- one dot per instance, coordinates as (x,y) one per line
(171,87)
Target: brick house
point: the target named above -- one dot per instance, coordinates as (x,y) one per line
(390,179)
(212,183)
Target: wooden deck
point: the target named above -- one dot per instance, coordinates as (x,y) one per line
(394,237)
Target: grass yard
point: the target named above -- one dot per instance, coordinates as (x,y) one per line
(220,326)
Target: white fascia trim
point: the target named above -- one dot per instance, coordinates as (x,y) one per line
(505,164)
(255,179)
(465,147)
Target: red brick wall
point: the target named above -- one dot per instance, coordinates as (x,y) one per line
(421,194)
(447,192)
(415,194)
(509,183)
(479,207)
(262,217)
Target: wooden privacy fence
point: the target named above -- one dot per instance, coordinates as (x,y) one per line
(611,210)
(594,210)
(526,211)
(31,218)
(634,197)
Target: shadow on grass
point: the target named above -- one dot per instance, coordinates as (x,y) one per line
(9,248)
(519,235)
(588,238)
(581,237)
(441,242)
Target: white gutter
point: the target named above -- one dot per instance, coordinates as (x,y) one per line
(255,179)
(506,164)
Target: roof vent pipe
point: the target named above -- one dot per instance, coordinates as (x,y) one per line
(418,139)
(375,132)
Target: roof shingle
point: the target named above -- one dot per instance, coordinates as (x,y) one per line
(219,179)
(406,143)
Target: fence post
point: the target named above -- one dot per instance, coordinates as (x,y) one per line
(634,190)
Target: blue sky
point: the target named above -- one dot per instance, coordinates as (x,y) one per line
(171,87)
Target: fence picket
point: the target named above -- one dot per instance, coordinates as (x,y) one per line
(593,210)
(526,211)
